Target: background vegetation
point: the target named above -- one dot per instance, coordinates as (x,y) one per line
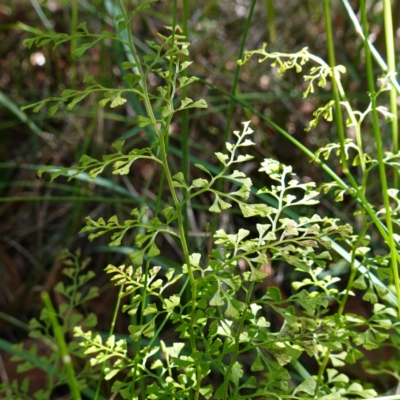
(40,218)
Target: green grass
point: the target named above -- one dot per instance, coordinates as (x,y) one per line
(218,36)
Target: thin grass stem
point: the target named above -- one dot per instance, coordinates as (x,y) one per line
(335,90)
(42,15)
(378,58)
(74,42)
(379,149)
(185,117)
(65,356)
(271,20)
(391,57)
(237,70)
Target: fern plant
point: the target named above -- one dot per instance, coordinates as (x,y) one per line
(375,273)
(223,345)
(223,323)
(57,361)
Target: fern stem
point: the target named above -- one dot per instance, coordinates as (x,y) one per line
(143,83)
(163,138)
(110,333)
(185,249)
(237,342)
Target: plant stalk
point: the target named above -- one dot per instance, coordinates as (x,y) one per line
(65,356)
(391,57)
(379,149)
(335,91)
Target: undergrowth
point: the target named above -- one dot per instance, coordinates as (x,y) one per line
(203,330)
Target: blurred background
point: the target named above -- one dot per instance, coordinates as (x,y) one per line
(39,218)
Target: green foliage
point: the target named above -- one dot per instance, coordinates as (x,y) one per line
(45,352)
(375,329)
(224,345)
(227,326)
